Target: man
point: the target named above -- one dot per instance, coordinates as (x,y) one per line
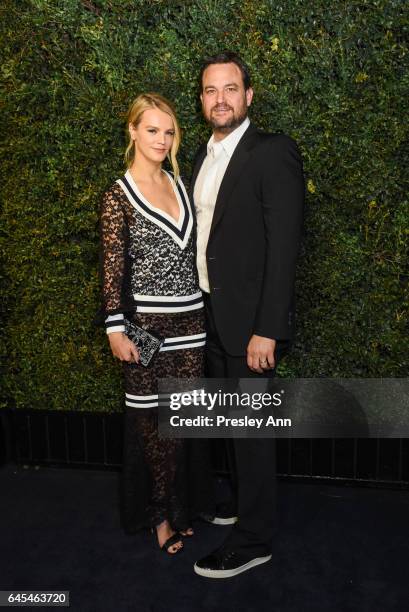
(248,190)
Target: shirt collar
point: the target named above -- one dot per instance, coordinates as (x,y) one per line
(230,142)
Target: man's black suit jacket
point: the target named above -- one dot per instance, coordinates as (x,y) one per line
(254,239)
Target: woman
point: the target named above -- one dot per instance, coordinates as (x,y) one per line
(149,276)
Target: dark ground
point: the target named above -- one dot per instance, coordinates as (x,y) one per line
(338,549)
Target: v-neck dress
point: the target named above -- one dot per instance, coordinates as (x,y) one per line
(149,276)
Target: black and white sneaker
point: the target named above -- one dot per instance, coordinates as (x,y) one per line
(226,514)
(225,563)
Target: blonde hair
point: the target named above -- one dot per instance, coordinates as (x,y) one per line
(145,102)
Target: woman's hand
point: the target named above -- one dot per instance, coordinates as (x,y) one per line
(122,347)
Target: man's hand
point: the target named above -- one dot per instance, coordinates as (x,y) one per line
(122,347)
(260,354)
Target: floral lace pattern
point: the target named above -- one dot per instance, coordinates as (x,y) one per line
(159,478)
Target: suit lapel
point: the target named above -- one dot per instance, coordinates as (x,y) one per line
(232,174)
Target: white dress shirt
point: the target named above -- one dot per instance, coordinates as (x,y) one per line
(206,190)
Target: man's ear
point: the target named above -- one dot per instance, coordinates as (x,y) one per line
(249,95)
(201,98)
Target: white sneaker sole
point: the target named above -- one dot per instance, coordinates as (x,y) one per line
(207,573)
(224,521)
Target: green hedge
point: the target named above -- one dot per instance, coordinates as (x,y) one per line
(330,74)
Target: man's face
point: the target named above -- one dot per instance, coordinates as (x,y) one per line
(224,99)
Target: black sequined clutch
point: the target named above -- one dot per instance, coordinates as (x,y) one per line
(147,342)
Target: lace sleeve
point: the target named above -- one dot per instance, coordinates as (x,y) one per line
(113,227)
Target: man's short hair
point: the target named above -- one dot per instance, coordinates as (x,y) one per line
(226,57)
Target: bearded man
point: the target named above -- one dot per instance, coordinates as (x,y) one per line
(248,191)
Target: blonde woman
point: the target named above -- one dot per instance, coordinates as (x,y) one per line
(149,277)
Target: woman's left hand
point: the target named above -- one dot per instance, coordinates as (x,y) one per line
(122,347)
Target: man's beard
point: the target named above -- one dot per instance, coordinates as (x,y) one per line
(232,123)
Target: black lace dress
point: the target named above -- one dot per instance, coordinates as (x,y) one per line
(149,274)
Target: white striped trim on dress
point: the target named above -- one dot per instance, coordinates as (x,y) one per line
(115,323)
(153,401)
(141,401)
(179,230)
(168,303)
(181,342)
(170,344)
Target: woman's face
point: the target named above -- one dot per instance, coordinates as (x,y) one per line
(153,136)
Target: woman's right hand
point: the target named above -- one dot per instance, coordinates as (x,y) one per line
(122,347)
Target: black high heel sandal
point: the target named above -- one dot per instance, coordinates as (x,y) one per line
(174,539)
(170,541)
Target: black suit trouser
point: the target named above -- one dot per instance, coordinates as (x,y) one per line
(252,461)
